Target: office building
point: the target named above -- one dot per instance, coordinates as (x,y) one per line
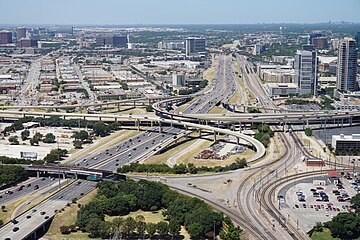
(258,49)
(313,36)
(171,44)
(26,42)
(178,79)
(345,142)
(20,33)
(119,41)
(357,40)
(306,72)
(5,37)
(281,89)
(195,46)
(61,29)
(320,43)
(347,66)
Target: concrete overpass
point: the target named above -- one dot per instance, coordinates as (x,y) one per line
(137,119)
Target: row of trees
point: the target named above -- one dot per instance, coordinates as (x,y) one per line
(99,128)
(193,88)
(10,174)
(121,198)
(55,155)
(10,160)
(180,168)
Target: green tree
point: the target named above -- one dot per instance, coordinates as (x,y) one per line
(77,144)
(25,134)
(49,138)
(318,227)
(140,225)
(100,129)
(308,132)
(195,230)
(355,200)
(14,140)
(345,225)
(81,135)
(174,227)
(163,228)
(151,229)
(129,226)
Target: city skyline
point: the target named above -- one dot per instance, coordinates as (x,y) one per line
(187,12)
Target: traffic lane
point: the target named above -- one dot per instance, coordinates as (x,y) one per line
(114,152)
(27,189)
(133,154)
(95,158)
(35,217)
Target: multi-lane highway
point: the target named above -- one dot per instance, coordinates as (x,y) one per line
(25,224)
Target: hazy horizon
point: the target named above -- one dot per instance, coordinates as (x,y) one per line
(185,12)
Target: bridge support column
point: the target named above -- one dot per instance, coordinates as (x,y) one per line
(138,124)
(214,136)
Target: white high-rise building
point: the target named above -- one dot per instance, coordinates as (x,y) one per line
(306,72)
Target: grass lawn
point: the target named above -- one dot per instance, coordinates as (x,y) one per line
(324,235)
(5,216)
(150,217)
(68,217)
(217,109)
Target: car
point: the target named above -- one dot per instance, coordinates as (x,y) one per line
(14,221)
(15,229)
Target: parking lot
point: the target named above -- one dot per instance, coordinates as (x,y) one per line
(307,203)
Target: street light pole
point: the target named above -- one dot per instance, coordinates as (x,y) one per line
(58,155)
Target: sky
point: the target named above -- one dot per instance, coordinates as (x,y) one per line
(100,12)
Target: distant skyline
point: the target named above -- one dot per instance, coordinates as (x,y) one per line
(101,12)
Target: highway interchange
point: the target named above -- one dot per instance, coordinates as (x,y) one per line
(152,140)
